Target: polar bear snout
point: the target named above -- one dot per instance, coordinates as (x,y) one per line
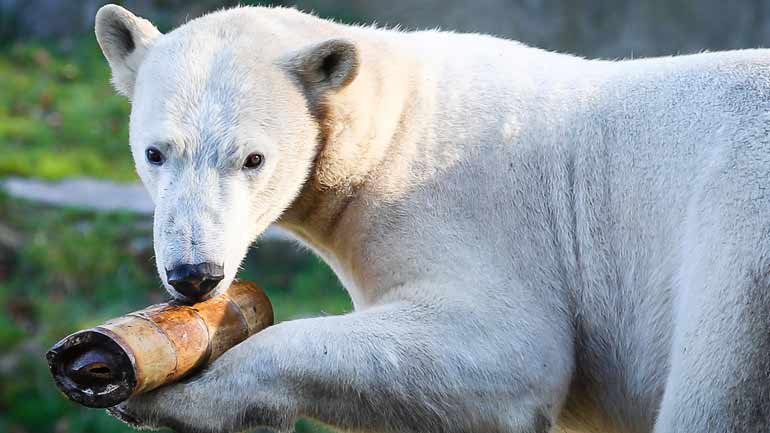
(195,281)
(196,252)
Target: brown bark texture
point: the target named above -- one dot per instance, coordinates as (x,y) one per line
(104,365)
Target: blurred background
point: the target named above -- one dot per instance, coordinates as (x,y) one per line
(75,227)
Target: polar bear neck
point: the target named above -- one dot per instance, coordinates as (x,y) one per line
(366,134)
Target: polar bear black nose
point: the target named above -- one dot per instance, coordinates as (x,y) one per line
(195,281)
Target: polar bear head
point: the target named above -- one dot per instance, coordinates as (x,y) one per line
(224,128)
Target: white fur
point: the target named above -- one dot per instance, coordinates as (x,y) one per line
(529,238)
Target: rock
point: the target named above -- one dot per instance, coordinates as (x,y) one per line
(10,242)
(9,238)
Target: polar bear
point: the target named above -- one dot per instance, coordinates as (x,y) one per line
(531,240)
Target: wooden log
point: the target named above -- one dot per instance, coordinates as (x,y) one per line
(104,365)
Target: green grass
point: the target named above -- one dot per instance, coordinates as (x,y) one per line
(59,116)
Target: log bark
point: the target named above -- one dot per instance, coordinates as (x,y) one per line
(105,365)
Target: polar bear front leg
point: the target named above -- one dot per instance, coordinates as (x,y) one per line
(394,368)
(241,389)
(719,381)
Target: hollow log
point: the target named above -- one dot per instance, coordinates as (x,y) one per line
(105,365)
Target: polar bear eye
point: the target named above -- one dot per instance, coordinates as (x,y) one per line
(255,160)
(154,156)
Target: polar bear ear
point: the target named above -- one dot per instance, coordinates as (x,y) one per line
(125,40)
(326,67)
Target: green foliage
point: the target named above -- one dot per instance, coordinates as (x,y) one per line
(73,270)
(58,115)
